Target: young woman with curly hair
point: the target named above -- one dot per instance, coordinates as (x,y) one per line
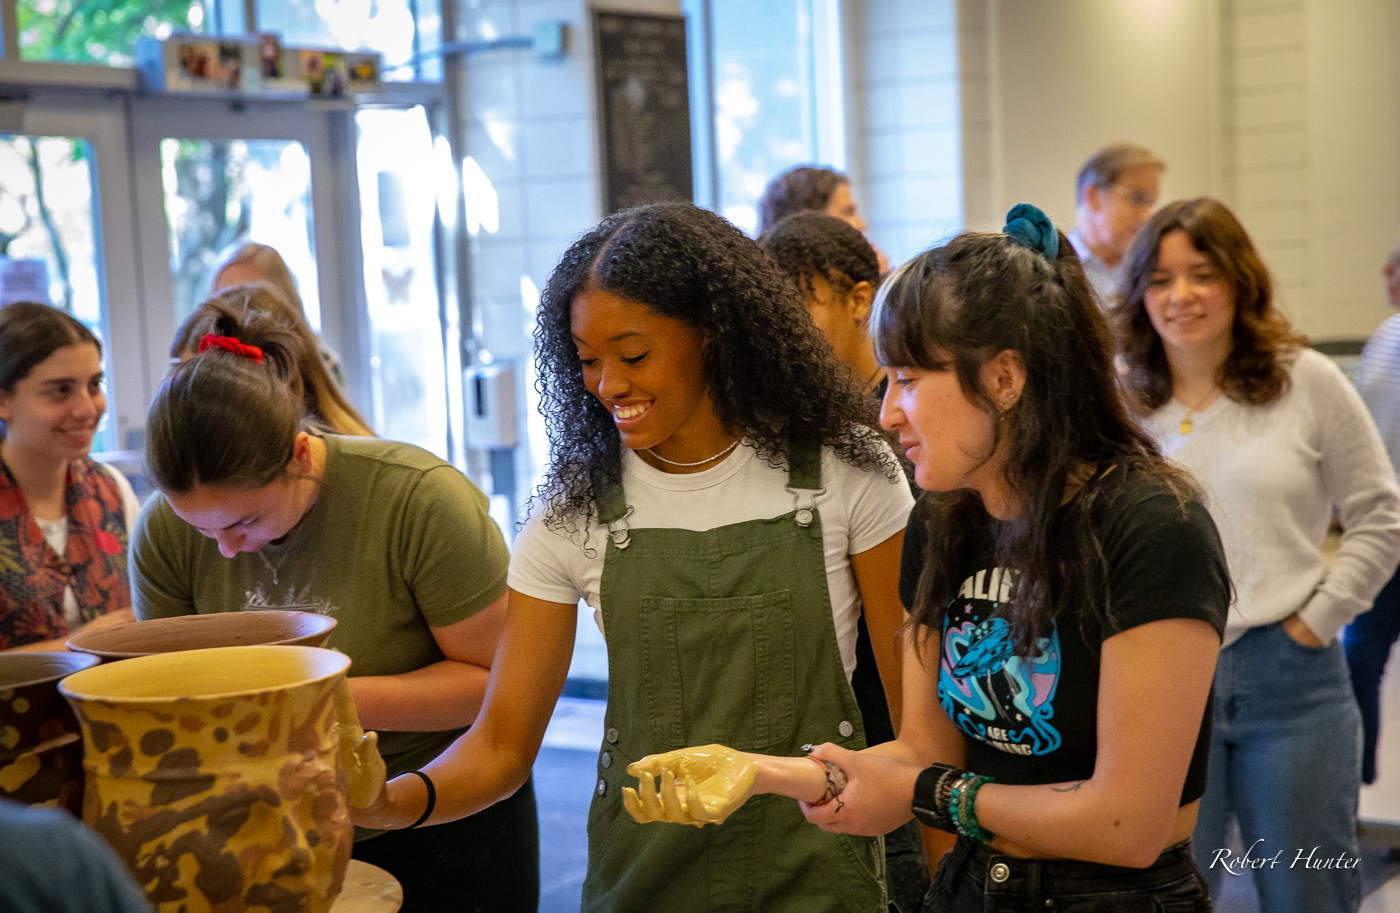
(1278,439)
(720,495)
(1067,592)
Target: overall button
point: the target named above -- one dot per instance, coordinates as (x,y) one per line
(607,760)
(1000,872)
(611,736)
(602,787)
(845,728)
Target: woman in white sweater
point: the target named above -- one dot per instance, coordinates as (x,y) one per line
(1278,439)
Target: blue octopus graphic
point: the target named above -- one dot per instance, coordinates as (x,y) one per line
(977,659)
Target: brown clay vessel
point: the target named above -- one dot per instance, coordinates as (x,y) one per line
(223,777)
(41,753)
(198,632)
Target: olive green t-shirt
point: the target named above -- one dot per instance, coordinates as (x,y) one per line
(396,542)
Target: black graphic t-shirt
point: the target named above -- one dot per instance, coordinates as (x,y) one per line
(1031,720)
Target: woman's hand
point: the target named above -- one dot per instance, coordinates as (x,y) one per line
(401,802)
(879,793)
(699,786)
(1297,629)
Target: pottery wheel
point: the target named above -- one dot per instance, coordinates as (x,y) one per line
(368,889)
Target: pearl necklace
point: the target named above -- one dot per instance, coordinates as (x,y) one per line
(723,452)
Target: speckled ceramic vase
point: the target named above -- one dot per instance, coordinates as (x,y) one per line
(41,752)
(223,777)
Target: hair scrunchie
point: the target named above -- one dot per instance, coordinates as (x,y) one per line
(229,344)
(1029,227)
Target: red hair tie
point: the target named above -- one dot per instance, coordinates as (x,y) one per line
(229,344)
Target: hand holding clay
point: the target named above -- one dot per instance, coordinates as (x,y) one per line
(699,786)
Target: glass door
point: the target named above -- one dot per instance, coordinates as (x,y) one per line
(211,175)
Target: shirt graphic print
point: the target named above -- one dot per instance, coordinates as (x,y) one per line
(1000,699)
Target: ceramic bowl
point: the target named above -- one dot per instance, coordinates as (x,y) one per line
(197,632)
(40,751)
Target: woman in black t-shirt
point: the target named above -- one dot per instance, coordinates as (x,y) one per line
(1067,594)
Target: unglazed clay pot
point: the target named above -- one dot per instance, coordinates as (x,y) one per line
(197,632)
(222,776)
(41,753)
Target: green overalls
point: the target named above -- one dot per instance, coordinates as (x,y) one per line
(724,636)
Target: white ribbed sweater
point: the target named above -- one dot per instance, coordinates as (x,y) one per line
(1271,476)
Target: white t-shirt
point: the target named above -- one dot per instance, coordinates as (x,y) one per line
(56,534)
(859,510)
(1271,476)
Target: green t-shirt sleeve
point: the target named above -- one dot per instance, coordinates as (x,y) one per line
(454,557)
(160,582)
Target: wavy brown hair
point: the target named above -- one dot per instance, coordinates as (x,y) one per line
(955,307)
(1263,343)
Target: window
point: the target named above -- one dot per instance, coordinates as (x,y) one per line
(75,31)
(404,31)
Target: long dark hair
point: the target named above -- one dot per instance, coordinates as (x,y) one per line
(1262,342)
(956,306)
(771,374)
(221,418)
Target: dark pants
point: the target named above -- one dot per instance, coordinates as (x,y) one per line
(1369,640)
(975,879)
(487,862)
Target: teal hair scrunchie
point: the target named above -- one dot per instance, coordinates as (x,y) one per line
(1029,227)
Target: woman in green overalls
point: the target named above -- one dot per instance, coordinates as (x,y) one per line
(719,494)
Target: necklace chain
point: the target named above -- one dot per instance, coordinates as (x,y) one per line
(1186,423)
(711,459)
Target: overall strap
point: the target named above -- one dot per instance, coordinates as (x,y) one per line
(805,478)
(805,464)
(613,513)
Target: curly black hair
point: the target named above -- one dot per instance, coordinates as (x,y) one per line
(773,377)
(810,244)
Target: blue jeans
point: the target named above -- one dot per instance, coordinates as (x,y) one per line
(976,879)
(1368,642)
(1285,760)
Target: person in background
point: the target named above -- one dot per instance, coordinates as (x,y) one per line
(1278,439)
(251,262)
(1115,192)
(808,188)
(63,517)
(260,308)
(50,863)
(720,495)
(837,272)
(256,511)
(1369,639)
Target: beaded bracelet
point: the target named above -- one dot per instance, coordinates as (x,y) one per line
(945,798)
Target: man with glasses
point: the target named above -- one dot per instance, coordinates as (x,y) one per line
(1116,191)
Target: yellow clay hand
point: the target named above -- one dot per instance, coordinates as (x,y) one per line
(699,786)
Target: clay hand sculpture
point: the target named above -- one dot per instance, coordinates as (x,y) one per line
(699,786)
(357,752)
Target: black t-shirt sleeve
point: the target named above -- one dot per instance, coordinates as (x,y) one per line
(911,559)
(1164,560)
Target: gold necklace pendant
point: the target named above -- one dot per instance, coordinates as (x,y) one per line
(1186,423)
